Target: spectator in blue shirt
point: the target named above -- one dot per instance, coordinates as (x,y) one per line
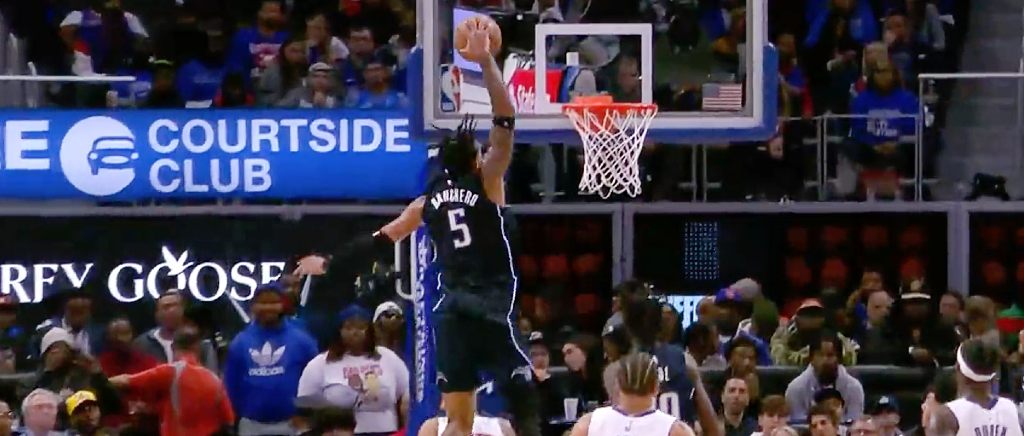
(253,47)
(264,364)
(885,113)
(108,31)
(376,92)
(362,49)
(200,79)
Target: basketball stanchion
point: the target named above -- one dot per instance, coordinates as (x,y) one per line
(613,136)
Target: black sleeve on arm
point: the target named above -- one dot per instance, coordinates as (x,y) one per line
(505,122)
(108,396)
(370,243)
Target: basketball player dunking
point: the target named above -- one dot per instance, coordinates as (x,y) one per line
(464,211)
(635,414)
(978,412)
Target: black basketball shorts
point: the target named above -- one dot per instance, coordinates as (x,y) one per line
(467,343)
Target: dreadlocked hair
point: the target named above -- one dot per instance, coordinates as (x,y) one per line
(458,153)
(980,356)
(638,374)
(642,318)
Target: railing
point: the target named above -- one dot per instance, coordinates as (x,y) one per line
(927,80)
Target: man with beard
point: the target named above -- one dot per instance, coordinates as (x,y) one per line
(253,47)
(170,317)
(84,413)
(264,364)
(118,357)
(824,372)
(733,309)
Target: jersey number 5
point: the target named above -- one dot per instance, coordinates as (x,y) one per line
(457,221)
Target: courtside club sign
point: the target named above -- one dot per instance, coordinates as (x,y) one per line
(129,282)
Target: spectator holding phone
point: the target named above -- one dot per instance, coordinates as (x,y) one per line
(65,370)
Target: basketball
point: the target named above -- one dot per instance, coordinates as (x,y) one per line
(482,22)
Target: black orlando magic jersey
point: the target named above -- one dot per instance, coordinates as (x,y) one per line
(472,243)
(676,397)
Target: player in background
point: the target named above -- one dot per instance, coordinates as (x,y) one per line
(681,394)
(978,411)
(464,211)
(637,385)
(482,426)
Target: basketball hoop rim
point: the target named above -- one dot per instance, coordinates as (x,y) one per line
(617,107)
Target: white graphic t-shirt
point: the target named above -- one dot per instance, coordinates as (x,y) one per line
(372,387)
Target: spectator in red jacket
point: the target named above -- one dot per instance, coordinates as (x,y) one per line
(119,358)
(192,400)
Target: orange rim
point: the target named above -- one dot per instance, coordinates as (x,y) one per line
(601,106)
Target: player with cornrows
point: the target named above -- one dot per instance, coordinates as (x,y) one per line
(464,209)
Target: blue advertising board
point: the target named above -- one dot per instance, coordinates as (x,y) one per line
(281,154)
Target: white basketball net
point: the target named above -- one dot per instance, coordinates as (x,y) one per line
(612,141)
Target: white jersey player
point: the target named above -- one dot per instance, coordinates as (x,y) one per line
(635,414)
(978,412)
(482,426)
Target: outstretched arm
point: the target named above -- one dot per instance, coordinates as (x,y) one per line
(406,223)
(392,232)
(499,152)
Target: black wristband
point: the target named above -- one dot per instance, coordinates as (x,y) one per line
(505,122)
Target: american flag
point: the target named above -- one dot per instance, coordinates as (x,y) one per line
(722,97)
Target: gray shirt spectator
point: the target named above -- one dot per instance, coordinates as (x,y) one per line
(800,393)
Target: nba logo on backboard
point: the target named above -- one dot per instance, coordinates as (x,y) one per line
(451,88)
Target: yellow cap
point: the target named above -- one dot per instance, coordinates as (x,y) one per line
(78,399)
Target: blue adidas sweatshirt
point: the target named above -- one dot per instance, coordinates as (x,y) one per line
(263,368)
(888,116)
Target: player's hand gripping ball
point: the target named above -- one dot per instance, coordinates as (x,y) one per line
(478,36)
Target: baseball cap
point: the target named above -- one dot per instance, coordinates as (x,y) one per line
(79,399)
(536,338)
(827,394)
(915,290)
(385,307)
(885,403)
(728,295)
(272,287)
(54,336)
(320,67)
(810,304)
